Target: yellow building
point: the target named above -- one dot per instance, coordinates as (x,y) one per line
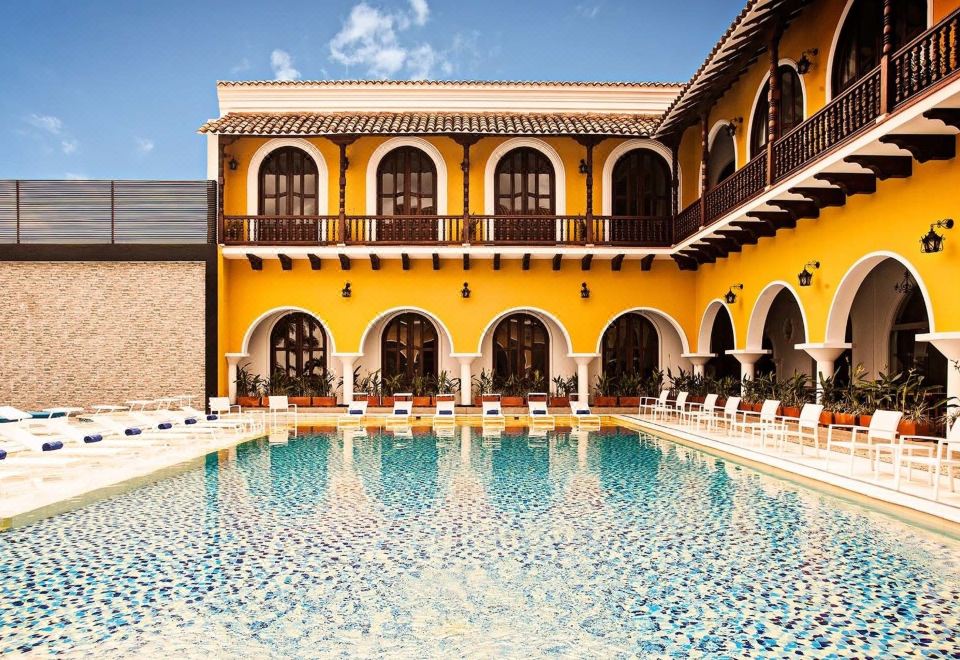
(765,216)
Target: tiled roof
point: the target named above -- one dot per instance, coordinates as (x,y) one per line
(430,123)
(438,83)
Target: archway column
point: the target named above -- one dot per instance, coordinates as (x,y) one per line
(948,343)
(583,374)
(825,355)
(466,375)
(747,360)
(233,362)
(698,360)
(347,360)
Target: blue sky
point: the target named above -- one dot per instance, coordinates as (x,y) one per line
(117,89)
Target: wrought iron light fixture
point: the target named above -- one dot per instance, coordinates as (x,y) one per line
(804,63)
(932,241)
(730,296)
(465,291)
(584,291)
(233,164)
(345,291)
(583,166)
(805,277)
(906,285)
(732,125)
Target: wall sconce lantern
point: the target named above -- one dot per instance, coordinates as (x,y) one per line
(583,167)
(345,291)
(906,285)
(732,125)
(806,275)
(804,63)
(584,291)
(730,296)
(932,241)
(465,291)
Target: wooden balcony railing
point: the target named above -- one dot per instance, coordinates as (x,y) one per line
(688,221)
(737,188)
(928,59)
(448,230)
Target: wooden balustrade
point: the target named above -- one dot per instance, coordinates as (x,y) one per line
(926,60)
(688,221)
(745,183)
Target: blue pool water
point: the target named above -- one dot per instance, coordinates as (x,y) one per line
(609,544)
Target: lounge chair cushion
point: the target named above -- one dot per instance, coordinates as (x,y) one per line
(445,412)
(212,418)
(133,431)
(190,420)
(354,411)
(164,426)
(583,412)
(3,454)
(90,439)
(53,445)
(539,412)
(493,411)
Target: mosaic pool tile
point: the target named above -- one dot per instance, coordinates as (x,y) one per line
(607,544)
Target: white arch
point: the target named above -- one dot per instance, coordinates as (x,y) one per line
(606,186)
(408,141)
(850,284)
(828,74)
(645,310)
(245,344)
(717,126)
(535,311)
(393,311)
(784,61)
(560,179)
(761,308)
(253,172)
(706,325)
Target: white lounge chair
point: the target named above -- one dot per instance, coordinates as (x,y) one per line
(356,413)
(582,415)
(446,413)
(491,413)
(539,412)
(656,406)
(280,405)
(880,436)
(221,406)
(727,415)
(223,409)
(803,428)
(766,422)
(402,408)
(694,411)
(91,434)
(944,454)
(237,423)
(19,434)
(679,405)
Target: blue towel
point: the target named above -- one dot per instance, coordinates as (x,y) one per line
(583,412)
(190,420)
(539,412)
(3,454)
(133,431)
(445,412)
(493,411)
(90,439)
(164,426)
(354,411)
(212,418)
(52,445)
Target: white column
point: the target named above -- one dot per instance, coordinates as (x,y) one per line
(233,361)
(466,442)
(698,360)
(948,343)
(583,377)
(825,355)
(748,361)
(465,380)
(347,362)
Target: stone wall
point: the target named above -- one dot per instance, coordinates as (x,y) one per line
(80,333)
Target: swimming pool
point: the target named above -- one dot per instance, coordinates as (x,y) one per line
(602,544)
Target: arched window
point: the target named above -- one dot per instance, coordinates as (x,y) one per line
(406,183)
(790,109)
(298,345)
(630,345)
(641,184)
(524,184)
(860,43)
(521,348)
(409,348)
(722,158)
(288,183)
(721,340)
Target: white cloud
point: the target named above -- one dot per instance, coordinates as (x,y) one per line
(145,145)
(421,11)
(282,64)
(588,11)
(69,146)
(47,123)
(243,65)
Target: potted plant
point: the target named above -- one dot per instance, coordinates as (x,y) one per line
(916,400)
(445,384)
(512,390)
(652,384)
(749,394)
(324,390)
(725,388)
(422,389)
(300,390)
(604,391)
(369,385)
(390,385)
(250,387)
(629,386)
(561,391)
(794,392)
(482,384)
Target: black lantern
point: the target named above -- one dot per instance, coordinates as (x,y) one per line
(233,164)
(584,291)
(730,296)
(465,291)
(804,63)
(805,277)
(905,286)
(345,291)
(583,167)
(731,126)
(932,241)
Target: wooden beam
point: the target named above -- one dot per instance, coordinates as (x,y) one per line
(949,116)
(777,219)
(617,262)
(405,260)
(344,262)
(286,263)
(525,262)
(924,147)
(798,208)
(496,261)
(822,197)
(436,261)
(684,263)
(256,263)
(315,262)
(741,236)
(374,262)
(585,262)
(884,167)
(851,183)
(466,261)
(723,243)
(761,229)
(557,258)
(646,263)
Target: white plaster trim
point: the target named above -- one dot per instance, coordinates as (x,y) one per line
(535,311)
(394,311)
(559,176)
(245,344)
(253,172)
(685,346)
(706,325)
(850,284)
(756,99)
(761,309)
(419,143)
(606,180)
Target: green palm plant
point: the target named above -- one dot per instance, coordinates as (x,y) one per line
(482,383)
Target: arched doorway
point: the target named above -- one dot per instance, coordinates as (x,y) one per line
(298,346)
(288,183)
(783,328)
(640,188)
(521,352)
(525,192)
(406,186)
(722,340)
(789,109)
(630,346)
(409,352)
(722,157)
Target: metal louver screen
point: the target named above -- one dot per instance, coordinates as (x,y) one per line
(107,211)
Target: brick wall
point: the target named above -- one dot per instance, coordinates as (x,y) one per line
(79,333)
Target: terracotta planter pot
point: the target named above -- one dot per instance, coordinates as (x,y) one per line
(826,418)
(386,401)
(629,402)
(477,401)
(423,401)
(721,401)
(300,401)
(745,406)
(695,399)
(511,401)
(844,418)
(864,420)
(248,401)
(910,427)
(559,401)
(605,401)
(790,411)
(323,401)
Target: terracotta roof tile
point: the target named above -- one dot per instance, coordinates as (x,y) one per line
(430,123)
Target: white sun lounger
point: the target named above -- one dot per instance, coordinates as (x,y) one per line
(491,412)
(581,413)
(766,422)
(694,412)
(944,454)
(356,414)
(655,406)
(540,416)
(402,408)
(445,414)
(803,428)
(880,436)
